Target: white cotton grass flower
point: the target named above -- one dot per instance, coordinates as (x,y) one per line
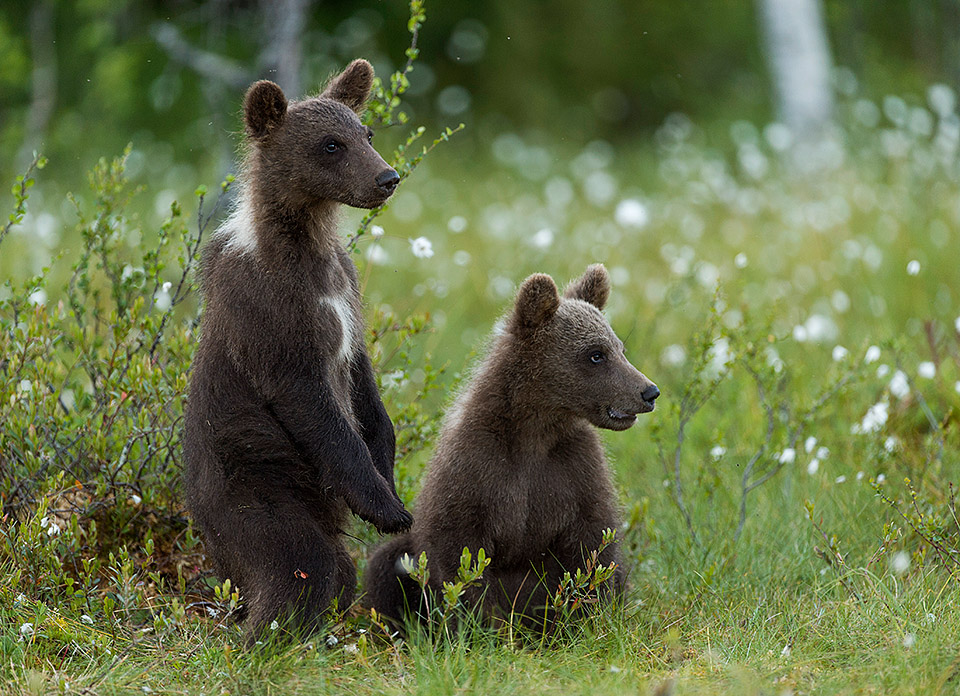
(927,370)
(421,247)
(351,648)
(913,267)
(788,456)
(881,478)
(809,444)
(874,419)
(740,260)
(166,286)
(542,239)
(717,452)
(376,231)
(457,224)
(332,640)
(840,479)
(840,353)
(813,466)
(891,444)
(631,212)
(274,625)
(900,385)
(377,255)
(823,452)
(909,640)
(786,651)
(883,371)
(673,355)
(860,476)
(872,355)
(900,562)
(26,629)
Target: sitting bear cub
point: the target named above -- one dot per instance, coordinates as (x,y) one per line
(519,469)
(284,429)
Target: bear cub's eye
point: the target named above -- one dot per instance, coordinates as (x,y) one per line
(331,146)
(597,357)
(369,135)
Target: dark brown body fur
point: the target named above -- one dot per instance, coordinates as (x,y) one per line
(285,430)
(520,470)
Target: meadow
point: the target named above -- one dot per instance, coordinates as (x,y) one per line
(791,524)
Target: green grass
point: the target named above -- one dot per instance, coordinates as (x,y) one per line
(853,598)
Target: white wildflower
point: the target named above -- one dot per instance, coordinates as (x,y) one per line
(166,286)
(875,418)
(542,239)
(809,444)
(717,451)
(38,297)
(813,466)
(351,648)
(786,651)
(274,625)
(421,247)
(377,255)
(44,522)
(859,476)
(930,618)
(136,499)
(740,260)
(913,267)
(891,444)
(883,371)
(927,370)
(53,530)
(673,355)
(840,479)
(800,334)
(823,452)
(909,640)
(900,563)
(86,619)
(457,224)
(376,231)
(900,385)
(872,355)
(840,353)
(787,456)
(880,479)
(332,640)
(631,213)
(26,629)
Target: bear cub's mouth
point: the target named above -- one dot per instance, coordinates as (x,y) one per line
(620,416)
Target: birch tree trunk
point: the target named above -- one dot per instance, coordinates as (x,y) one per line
(795,39)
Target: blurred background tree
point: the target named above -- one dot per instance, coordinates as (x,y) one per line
(78,79)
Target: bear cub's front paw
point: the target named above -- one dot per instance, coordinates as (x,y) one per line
(393,520)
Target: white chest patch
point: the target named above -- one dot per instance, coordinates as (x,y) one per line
(238,229)
(348,330)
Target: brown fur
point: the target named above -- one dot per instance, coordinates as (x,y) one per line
(519,469)
(285,430)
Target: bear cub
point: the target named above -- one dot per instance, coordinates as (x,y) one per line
(285,432)
(519,469)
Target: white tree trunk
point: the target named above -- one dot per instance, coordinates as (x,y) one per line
(795,39)
(285,21)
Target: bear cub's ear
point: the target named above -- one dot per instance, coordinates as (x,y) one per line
(352,86)
(537,302)
(264,108)
(593,286)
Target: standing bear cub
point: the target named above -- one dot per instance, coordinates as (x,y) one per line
(285,430)
(519,469)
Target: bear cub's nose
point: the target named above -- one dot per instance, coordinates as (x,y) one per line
(651,393)
(388,179)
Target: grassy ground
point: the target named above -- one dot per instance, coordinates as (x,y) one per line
(844,578)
